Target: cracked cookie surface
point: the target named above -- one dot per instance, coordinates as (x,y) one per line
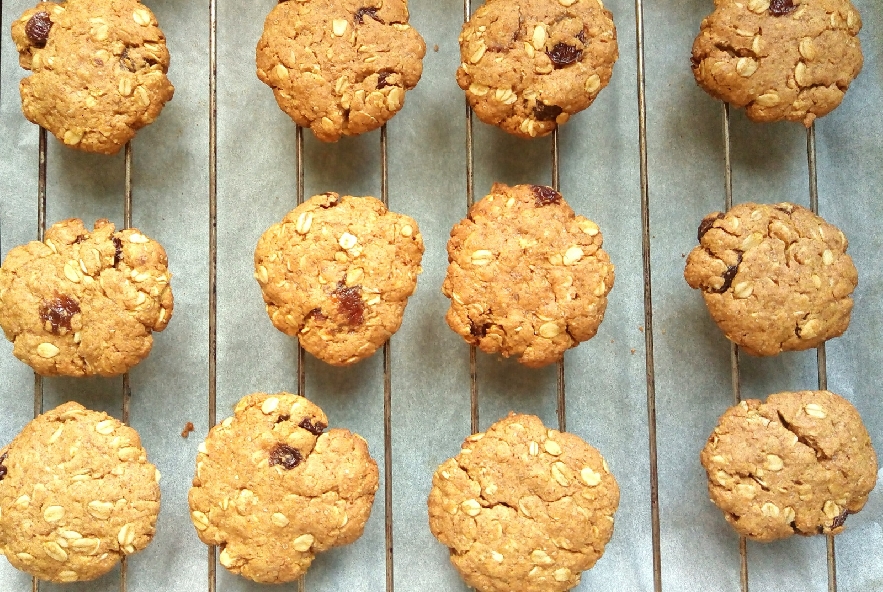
(337,273)
(523,508)
(774,277)
(528,65)
(85,303)
(272,488)
(799,463)
(341,68)
(526,276)
(76,495)
(781,59)
(98,70)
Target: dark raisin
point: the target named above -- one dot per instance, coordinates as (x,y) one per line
(37,29)
(283,418)
(545,195)
(363,12)
(478,331)
(126,62)
(382,78)
(544,112)
(781,7)
(349,303)
(314,428)
(317,314)
(695,62)
(59,311)
(564,55)
(708,222)
(3,470)
(285,456)
(582,36)
(841,519)
(728,277)
(80,238)
(118,255)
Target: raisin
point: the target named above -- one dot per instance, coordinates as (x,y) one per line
(582,36)
(59,311)
(708,222)
(781,7)
(695,62)
(283,418)
(545,195)
(314,428)
(478,331)
(285,456)
(80,238)
(118,255)
(564,55)
(363,12)
(3,470)
(37,29)
(841,519)
(349,303)
(544,112)
(382,78)
(317,314)
(126,62)
(728,277)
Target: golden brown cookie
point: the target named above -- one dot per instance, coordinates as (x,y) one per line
(800,463)
(77,494)
(527,277)
(774,277)
(523,508)
(340,68)
(337,274)
(528,65)
(780,59)
(272,489)
(98,70)
(84,303)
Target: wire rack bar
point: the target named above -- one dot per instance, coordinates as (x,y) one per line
(470,200)
(127,387)
(212,553)
(301,358)
(648,300)
(562,391)
(821,356)
(387,392)
(734,349)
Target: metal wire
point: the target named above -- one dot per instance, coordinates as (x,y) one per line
(127,389)
(562,397)
(470,200)
(734,349)
(213,252)
(387,392)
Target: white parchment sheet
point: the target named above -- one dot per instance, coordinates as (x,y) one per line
(606,379)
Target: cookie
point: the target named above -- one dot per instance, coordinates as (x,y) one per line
(272,488)
(528,65)
(98,70)
(774,277)
(337,272)
(526,277)
(523,508)
(84,303)
(799,463)
(340,68)
(77,494)
(782,59)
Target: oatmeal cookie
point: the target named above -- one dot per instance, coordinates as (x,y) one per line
(272,488)
(98,70)
(528,65)
(77,494)
(340,68)
(774,277)
(84,303)
(337,274)
(800,463)
(523,508)
(781,59)
(527,277)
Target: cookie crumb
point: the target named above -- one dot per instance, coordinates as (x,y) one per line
(187,429)
(435,48)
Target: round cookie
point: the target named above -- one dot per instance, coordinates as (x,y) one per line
(340,68)
(84,303)
(528,65)
(77,494)
(98,70)
(523,508)
(272,490)
(527,277)
(774,277)
(799,463)
(337,272)
(781,59)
